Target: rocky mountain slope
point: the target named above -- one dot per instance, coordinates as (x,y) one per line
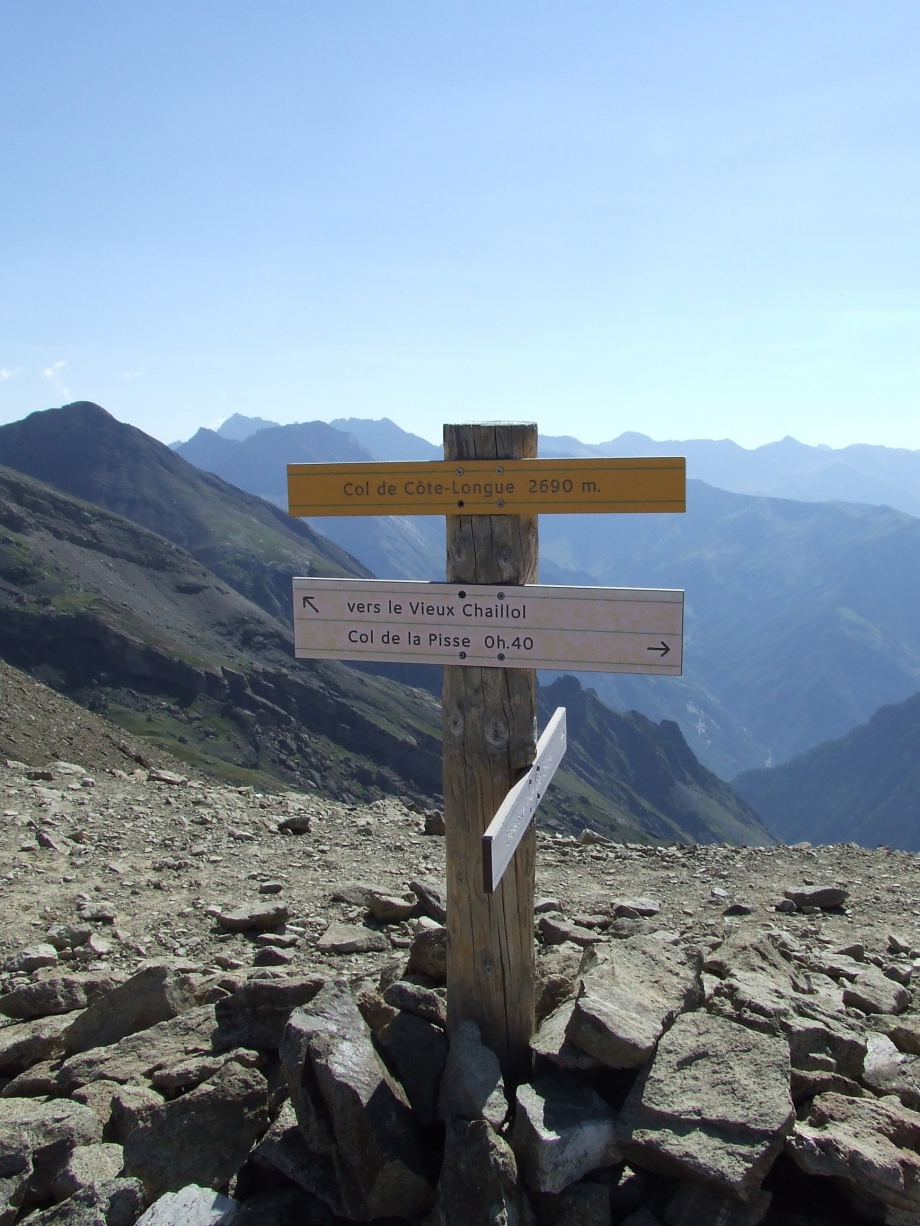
(253,546)
(195,977)
(864,787)
(135,627)
(644,772)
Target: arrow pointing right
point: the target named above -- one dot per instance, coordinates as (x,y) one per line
(662,650)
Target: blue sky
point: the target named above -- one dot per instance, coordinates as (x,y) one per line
(689,220)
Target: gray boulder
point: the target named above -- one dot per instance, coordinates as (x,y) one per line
(871,1147)
(754,999)
(629,999)
(284,1150)
(416,1051)
(713,1105)
(134,1058)
(479,1181)
(192,1206)
(155,994)
(413,998)
(202,1137)
(351,1109)
(431,896)
(613,1024)
(116,1202)
(36,1138)
(58,994)
(389,908)
(428,951)
(556,972)
(551,1042)
(889,1071)
(256,1014)
(562,1130)
(472,1087)
(874,992)
(87,1164)
(254,917)
(816,896)
(32,958)
(26,1043)
(352,939)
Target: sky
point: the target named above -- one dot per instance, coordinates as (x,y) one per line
(692,221)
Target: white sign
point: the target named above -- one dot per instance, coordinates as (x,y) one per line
(517,810)
(587,629)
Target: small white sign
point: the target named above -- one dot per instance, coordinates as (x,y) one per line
(586,629)
(517,810)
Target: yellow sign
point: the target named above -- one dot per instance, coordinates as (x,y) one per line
(488,487)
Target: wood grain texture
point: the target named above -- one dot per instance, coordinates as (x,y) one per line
(490,718)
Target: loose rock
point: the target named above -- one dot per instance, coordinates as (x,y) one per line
(712,1106)
(472,1087)
(153,995)
(202,1137)
(562,1130)
(351,1109)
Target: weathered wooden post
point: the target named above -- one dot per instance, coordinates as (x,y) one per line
(491,487)
(489,724)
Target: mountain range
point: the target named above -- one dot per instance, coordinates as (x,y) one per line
(104,596)
(800,614)
(884,476)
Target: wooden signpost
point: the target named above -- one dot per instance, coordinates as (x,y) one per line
(491,487)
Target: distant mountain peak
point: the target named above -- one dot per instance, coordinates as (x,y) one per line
(239,427)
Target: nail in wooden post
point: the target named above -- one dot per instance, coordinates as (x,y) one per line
(489,717)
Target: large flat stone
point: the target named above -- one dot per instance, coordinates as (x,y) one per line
(136,1057)
(202,1137)
(873,992)
(869,1146)
(253,917)
(256,1014)
(562,1130)
(350,1108)
(155,994)
(630,998)
(816,895)
(26,1043)
(36,1139)
(712,1106)
(352,939)
(550,1041)
(192,1206)
(58,994)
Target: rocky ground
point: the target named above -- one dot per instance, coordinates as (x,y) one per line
(728,1036)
